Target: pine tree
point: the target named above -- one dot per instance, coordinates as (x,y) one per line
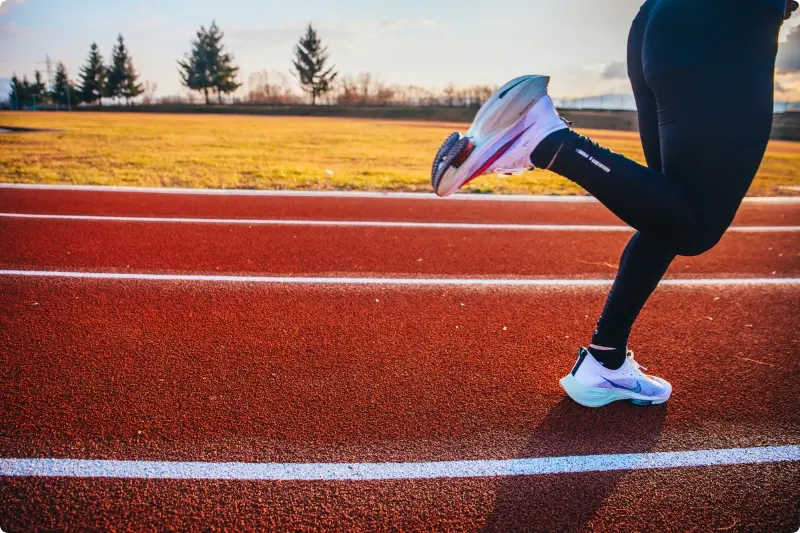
(25,92)
(196,69)
(38,89)
(63,91)
(93,77)
(223,71)
(208,67)
(116,71)
(132,88)
(310,60)
(17,94)
(123,80)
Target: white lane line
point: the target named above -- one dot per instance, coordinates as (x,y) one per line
(369,223)
(343,194)
(390,281)
(340,223)
(89,468)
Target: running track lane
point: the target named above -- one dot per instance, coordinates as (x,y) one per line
(261,373)
(344,207)
(291,373)
(124,246)
(747,498)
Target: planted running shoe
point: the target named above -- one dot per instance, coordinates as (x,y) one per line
(591,384)
(506,129)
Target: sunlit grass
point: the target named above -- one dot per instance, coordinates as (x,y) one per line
(257,152)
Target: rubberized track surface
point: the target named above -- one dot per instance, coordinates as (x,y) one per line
(216,372)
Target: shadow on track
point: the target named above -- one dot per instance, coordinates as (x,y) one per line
(569,502)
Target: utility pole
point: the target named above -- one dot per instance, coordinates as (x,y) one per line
(50,81)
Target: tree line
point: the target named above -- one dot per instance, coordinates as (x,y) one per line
(117,80)
(209,70)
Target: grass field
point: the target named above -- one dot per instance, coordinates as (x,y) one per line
(252,152)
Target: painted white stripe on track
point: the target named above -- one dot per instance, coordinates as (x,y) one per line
(369,223)
(345,194)
(694,282)
(89,468)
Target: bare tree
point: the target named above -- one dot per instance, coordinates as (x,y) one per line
(267,87)
(149,92)
(347,91)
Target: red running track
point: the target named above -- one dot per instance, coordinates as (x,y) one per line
(220,372)
(217,372)
(390,208)
(277,373)
(352,251)
(747,498)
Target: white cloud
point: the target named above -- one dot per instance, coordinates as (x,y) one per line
(10,30)
(788,59)
(616,70)
(146,24)
(788,26)
(404,23)
(6,4)
(787,86)
(334,30)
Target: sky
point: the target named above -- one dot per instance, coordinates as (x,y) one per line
(431,43)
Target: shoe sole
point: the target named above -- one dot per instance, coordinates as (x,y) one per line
(464,149)
(600,397)
(453,152)
(461,159)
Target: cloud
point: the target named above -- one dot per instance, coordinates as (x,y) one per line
(147,24)
(10,29)
(616,70)
(332,31)
(6,4)
(787,86)
(788,59)
(404,23)
(268,36)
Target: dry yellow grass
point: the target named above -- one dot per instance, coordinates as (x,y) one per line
(237,151)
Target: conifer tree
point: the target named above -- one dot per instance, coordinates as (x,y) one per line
(38,89)
(116,71)
(132,88)
(123,80)
(223,71)
(16,95)
(196,68)
(64,92)
(93,77)
(310,63)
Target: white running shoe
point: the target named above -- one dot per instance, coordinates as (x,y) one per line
(593,385)
(507,128)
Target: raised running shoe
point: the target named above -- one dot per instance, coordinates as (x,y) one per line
(593,385)
(506,129)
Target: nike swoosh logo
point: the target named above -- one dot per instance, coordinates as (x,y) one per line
(637,389)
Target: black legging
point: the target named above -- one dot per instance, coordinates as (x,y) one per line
(702,73)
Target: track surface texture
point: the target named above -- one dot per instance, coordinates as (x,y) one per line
(215,372)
